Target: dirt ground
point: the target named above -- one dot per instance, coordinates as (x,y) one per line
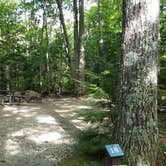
(39,134)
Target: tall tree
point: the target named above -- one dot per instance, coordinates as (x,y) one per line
(81,48)
(66,38)
(100,40)
(76,41)
(136,126)
(41,45)
(79,45)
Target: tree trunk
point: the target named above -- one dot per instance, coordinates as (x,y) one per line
(100,40)
(42,49)
(8,83)
(81,58)
(66,38)
(76,42)
(136,126)
(49,72)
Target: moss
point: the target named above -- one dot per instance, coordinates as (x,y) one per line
(131,58)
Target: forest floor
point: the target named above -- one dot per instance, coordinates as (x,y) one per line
(43,134)
(39,134)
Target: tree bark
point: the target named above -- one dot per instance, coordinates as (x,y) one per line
(136,127)
(76,29)
(41,48)
(76,42)
(81,58)
(8,83)
(49,72)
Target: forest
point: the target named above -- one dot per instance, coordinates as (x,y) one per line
(76,75)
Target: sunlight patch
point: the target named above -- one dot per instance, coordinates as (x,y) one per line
(12,147)
(7,115)
(18,118)
(45,119)
(78,124)
(153,10)
(19,133)
(152,76)
(62,110)
(53,137)
(8,108)
(85,107)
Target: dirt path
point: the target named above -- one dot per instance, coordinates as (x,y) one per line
(39,134)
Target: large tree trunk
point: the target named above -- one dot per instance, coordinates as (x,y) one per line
(136,126)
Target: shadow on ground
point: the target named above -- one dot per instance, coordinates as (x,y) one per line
(39,134)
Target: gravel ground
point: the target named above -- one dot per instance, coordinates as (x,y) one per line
(39,134)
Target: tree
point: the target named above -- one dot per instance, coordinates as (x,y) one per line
(10,37)
(136,126)
(66,39)
(76,40)
(79,46)
(100,40)
(81,55)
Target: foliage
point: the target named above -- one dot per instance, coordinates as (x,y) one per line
(93,140)
(162,79)
(83,160)
(35,44)
(92,143)
(108,75)
(162,140)
(95,91)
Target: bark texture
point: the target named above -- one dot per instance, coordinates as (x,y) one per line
(76,42)
(76,30)
(81,62)
(41,48)
(78,9)
(8,84)
(136,126)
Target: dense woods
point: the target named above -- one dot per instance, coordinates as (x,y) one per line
(103,49)
(60,47)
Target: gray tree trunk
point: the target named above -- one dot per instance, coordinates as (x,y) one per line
(49,71)
(76,29)
(66,38)
(136,127)
(41,48)
(8,84)
(76,42)
(81,61)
